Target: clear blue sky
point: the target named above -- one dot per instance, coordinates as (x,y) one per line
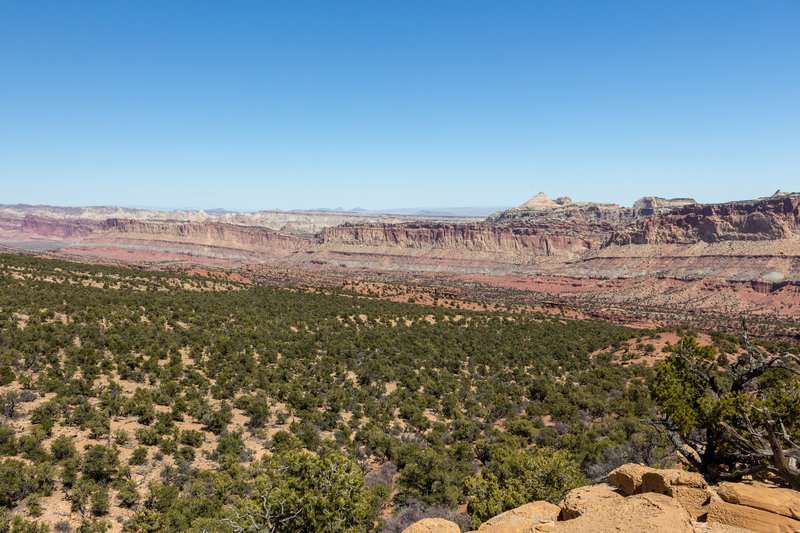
(296,104)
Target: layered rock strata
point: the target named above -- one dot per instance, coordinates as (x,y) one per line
(198,237)
(768,219)
(729,257)
(294,222)
(566,238)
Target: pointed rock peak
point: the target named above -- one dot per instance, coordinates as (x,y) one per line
(538,201)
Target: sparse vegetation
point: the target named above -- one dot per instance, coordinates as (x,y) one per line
(167,401)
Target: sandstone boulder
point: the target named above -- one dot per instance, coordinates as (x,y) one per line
(433,525)
(770,498)
(658,501)
(661,481)
(628,477)
(689,488)
(583,500)
(750,518)
(694,500)
(643,513)
(524,519)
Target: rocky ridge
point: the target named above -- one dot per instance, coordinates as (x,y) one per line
(538,228)
(640,499)
(198,234)
(519,243)
(294,222)
(767,219)
(731,257)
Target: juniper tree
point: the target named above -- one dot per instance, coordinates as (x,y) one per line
(740,420)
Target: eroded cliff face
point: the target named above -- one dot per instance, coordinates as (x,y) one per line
(541,208)
(735,257)
(193,234)
(584,211)
(740,241)
(556,238)
(303,223)
(196,238)
(36,228)
(539,228)
(62,229)
(758,220)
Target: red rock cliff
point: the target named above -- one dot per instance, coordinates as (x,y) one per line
(36,228)
(207,234)
(540,239)
(757,220)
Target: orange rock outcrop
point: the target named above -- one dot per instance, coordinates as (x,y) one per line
(640,499)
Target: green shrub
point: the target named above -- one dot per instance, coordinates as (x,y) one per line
(100,502)
(6,375)
(139,456)
(192,438)
(100,463)
(325,494)
(127,495)
(63,447)
(15,482)
(512,479)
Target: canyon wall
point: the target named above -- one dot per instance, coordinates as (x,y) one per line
(752,240)
(37,228)
(295,222)
(558,238)
(733,257)
(539,228)
(196,236)
(758,220)
(59,229)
